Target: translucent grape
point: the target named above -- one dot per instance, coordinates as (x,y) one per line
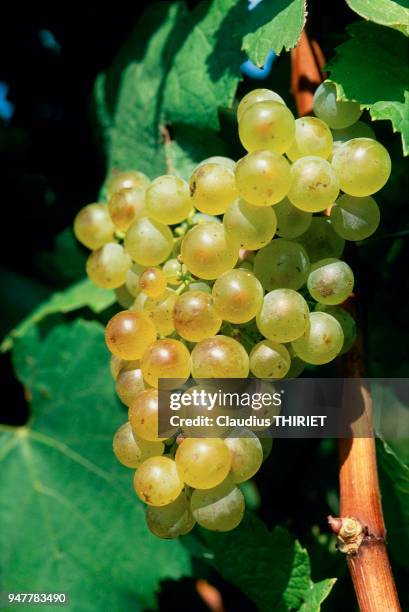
(312,137)
(203,463)
(168,199)
(199,286)
(315,185)
(143,416)
(129,179)
(246,454)
(219,357)
(251,227)
(123,297)
(284,315)
(218,159)
(129,385)
(128,334)
(220,508)
(263,178)
(148,242)
(108,266)
(267,126)
(330,281)
(132,279)
(363,166)
(322,341)
(355,218)
(237,296)
(131,451)
(153,282)
(269,359)
(320,241)
(171,521)
(174,270)
(139,303)
(117,365)
(157,482)
(335,113)
(345,320)
(213,188)
(357,130)
(195,317)
(165,358)
(206,251)
(93,226)
(291,221)
(254,96)
(127,206)
(282,263)
(160,311)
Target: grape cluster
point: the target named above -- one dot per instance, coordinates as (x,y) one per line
(236,271)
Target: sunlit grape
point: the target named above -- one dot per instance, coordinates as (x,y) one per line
(322,341)
(312,137)
(251,227)
(220,508)
(174,270)
(129,179)
(132,451)
(284,315)
(153,282)
(345,320)
(160,311)
(172,520)
(330,281)
(267,126)
(203,463)
(127,206)
(195,317)
(254,96)
(129,384)
(219,357)
(166,358)
(269,359)
(206,251)
(168,199)
(143,416)
(237,295)
(246,454)
(157,482)
(128,334)
(263,178)
(93,226)
(108,266)
(148,242)
(213,188)
(315,185)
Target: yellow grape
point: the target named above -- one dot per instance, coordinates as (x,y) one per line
(284,315)
(213,188)
(220,508)
(166,358)
(143,416)
(128,334)
(194,316)
(267,126)
(172,520)
(269,359)
(132,451)
(159,310)
(206,251)
(246,454)
(117,365)
(93,226)
(330,281)
(127,206)
(153,282)
(312,137)
(218,159)
(128,179)
(148,242)
(219,357)
(203,463)
(322,341)
(263,178)
(157,482)
(282,263)
(174,270)
(237,295)
(251,227)
(254,96)
(315,184)
(129,385)
(139,303)
(108,266)
(132,279)
(168,199)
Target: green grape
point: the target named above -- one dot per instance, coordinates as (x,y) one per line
(93,226)
(315,185)
(219,357)
(218,159)
(129,179)
(132,451)
(127,206)
(132,279)
(160,311)
(220,508)
(129,385)
(200,217)
(246,454)
(143,416)
(168,199)
(335,113)
(157,482)
(245,264)
(166,358)
(254,96)
(282,263)
(172,520)
(148,242)
(297,366)
(153,282)
(213,188)
(199,286)
(330,281)
(269,359)
(108,266)
(118,365)
(267,126)
(346,322)
(263,178)
(203,463)
(322,341)
(284,315)
(267,446)
(251,227)
(128,334)
(123,297)
(312,137)
(195,317)
(174,270)
(355,218)
(363,166)
(291,221)
(357,130)
(320,241)
(237,296)
(206,251)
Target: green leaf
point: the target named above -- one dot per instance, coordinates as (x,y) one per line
(385,12)
(271,568)
(70,520)
(317,594)
(371,67)
(283,21)
(82,294)
(394,477)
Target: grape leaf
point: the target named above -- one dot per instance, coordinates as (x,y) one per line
(70,520)
(385,12)
(271,568)
(371,67)
(80,295)
(284,19)
(317,594)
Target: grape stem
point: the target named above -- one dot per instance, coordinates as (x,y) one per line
(360,528)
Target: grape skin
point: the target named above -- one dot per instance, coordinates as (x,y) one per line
(219,357)
(320,241)
(312,137)
(263,178)
(130,179)
(206,251)
(128,334)
(129,384)
(132,451)
(246,455)
(251,227)
(160,311)
(282,263)
(355,218)
(93,226)
(254,96)
(269,359)
(237,296)
(218,159)
(166,358)
(220,508)
(174,270)
(143,416)
(108,266)
(203,463)
(148,242)
(345,320)
(335,113)
(284,315)
(171,521)
(195,317)
(291,221)
(168,199)
(153,282)
(322,341)
(118,365)
(267,126)
(315,185)
(132,279)
(127,206)
(330,281)
(213,188)
(157,482)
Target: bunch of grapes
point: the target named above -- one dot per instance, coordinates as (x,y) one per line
(235,272)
